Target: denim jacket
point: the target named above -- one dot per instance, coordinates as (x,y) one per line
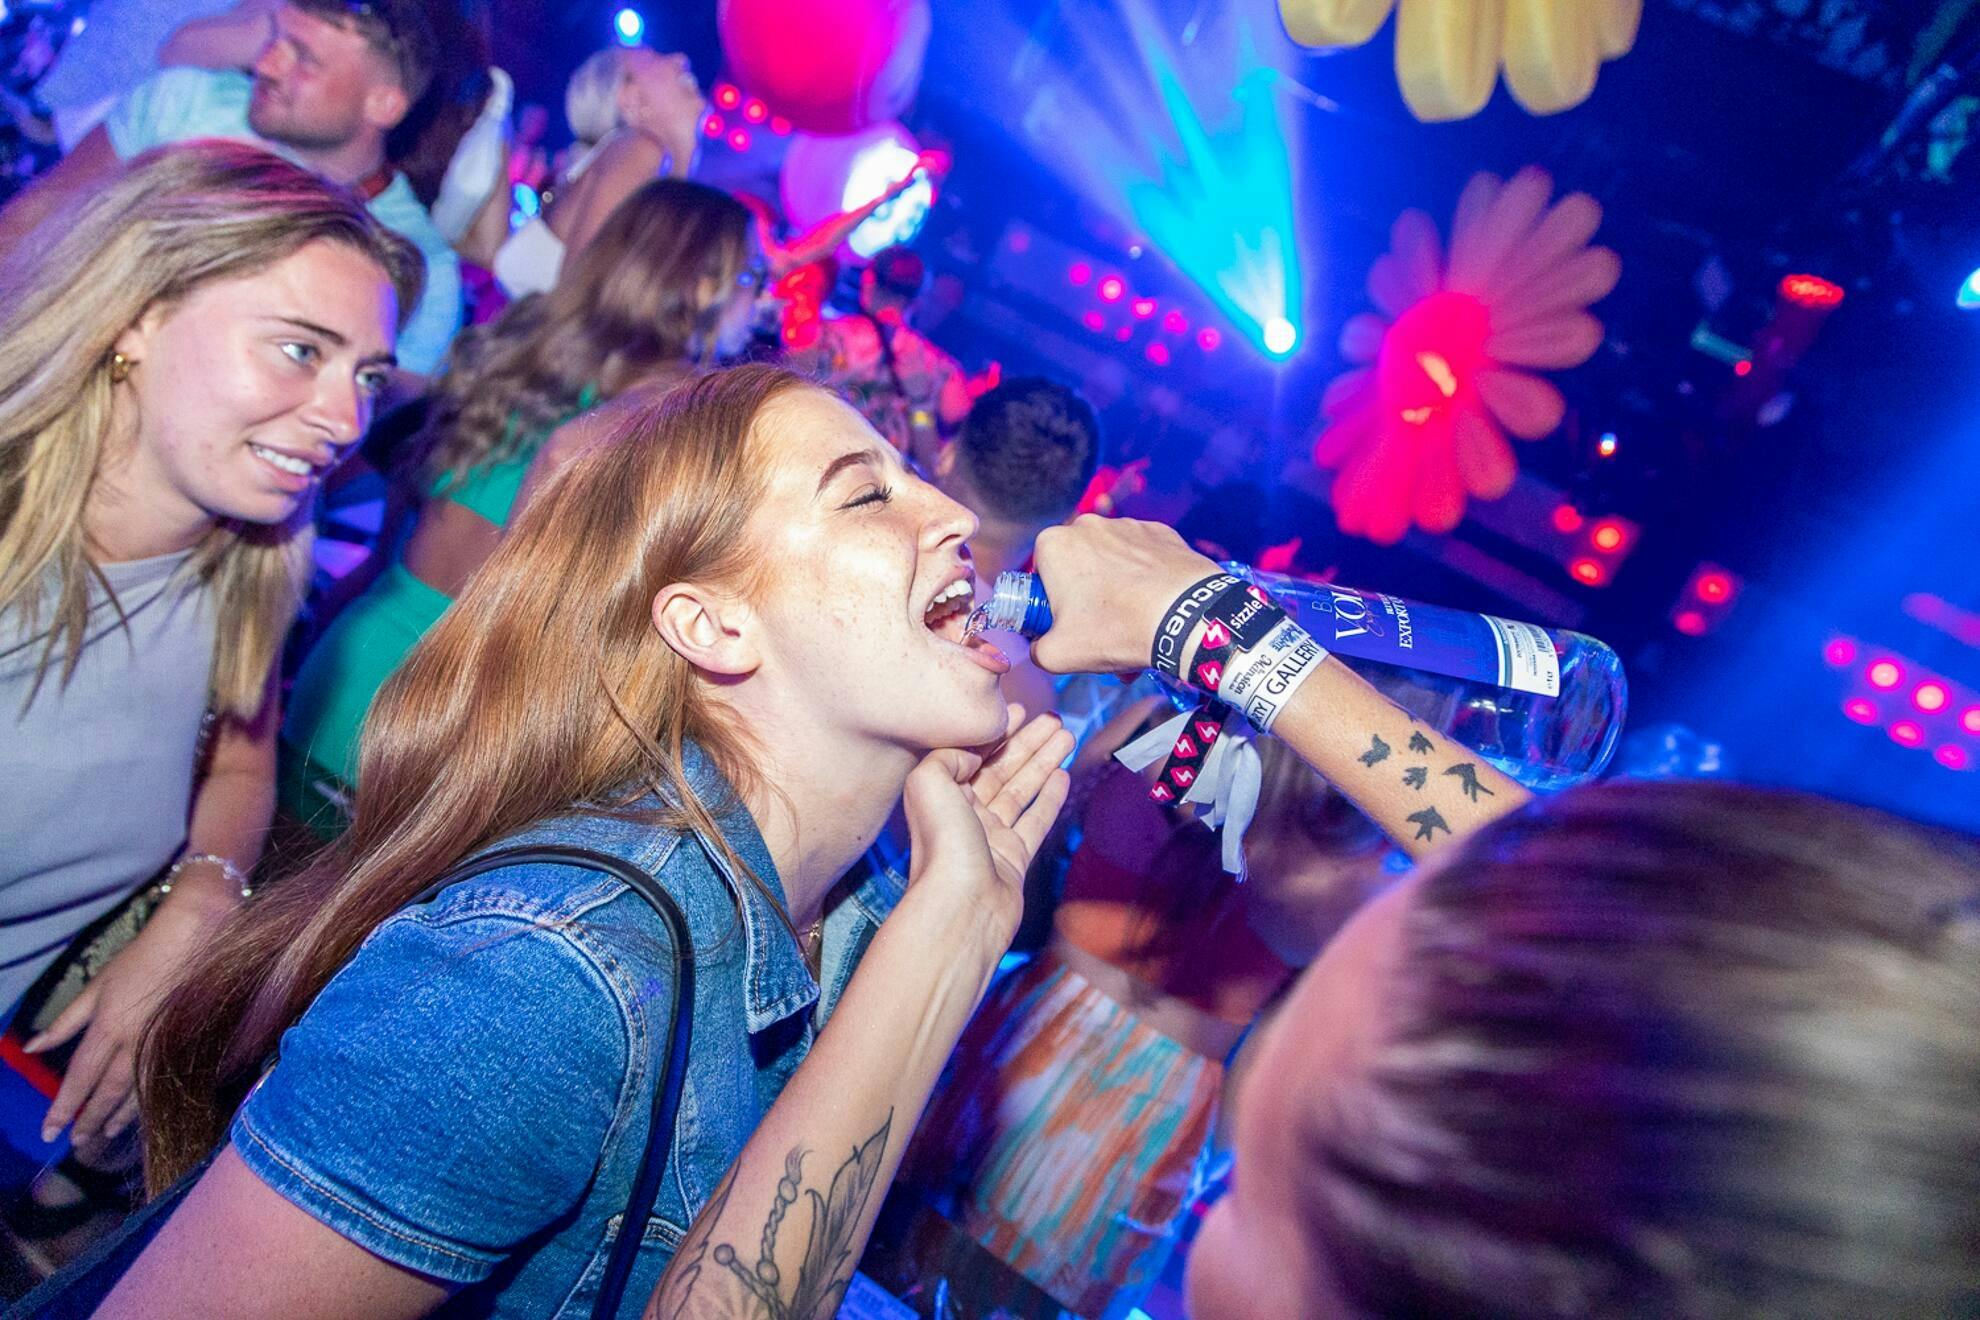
(470,1096)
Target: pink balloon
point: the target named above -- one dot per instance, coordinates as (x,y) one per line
(828,66)
(813,182)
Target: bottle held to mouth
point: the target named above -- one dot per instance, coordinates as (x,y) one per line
(1545,705)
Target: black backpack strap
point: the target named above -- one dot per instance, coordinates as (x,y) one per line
(674,1053)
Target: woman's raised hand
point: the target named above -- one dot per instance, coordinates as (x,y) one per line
(976,818)
(1110,580)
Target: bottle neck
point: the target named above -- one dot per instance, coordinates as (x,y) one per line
(1017,604)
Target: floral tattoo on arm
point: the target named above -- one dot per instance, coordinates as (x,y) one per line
(716,1280)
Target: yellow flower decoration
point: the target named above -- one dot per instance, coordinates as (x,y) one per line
(1421,423)
(1449,52)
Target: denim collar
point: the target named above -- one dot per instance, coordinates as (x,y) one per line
(777,981)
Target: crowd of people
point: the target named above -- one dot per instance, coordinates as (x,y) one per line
(643,602)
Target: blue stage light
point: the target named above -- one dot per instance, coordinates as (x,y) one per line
(1969,292)
(629,26)
(1223,212)
(1193,157)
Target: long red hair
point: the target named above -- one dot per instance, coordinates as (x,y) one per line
(543,687)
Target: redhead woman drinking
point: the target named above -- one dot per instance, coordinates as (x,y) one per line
(722,646)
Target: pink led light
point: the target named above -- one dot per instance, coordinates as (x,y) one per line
(1840,652)
(1885,674)
(1861,709)
(1906,733)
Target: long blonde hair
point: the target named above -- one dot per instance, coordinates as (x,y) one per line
(172,220)
(647,291)
(543,690)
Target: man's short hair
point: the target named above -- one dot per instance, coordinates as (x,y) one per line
(399,30)
(1028,449)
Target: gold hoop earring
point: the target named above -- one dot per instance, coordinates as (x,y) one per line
(120,368)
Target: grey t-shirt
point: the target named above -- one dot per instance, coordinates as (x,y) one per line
(96,774)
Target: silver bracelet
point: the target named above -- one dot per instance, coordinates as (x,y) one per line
(227,868)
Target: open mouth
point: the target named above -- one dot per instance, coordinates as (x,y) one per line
(948,613)
(947,616)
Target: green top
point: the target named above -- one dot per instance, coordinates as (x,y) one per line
(366,642)
(491,489)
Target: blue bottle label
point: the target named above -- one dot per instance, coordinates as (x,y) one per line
(1455,643)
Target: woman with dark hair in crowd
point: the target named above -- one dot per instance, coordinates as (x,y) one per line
(720,646)
(180,363)
(453,145)
(666,287)
(1639,1049)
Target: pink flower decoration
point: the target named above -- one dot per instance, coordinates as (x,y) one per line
(1421,423)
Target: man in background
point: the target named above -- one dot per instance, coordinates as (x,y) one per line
(332,81)
(1020,463)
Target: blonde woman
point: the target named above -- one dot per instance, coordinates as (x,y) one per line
(180,361)
(635,113)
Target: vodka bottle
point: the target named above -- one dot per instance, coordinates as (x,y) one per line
(1543,704)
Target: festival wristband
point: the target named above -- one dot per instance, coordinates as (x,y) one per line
(1173,634)
(1238,613)
(1238,620)
(1260,681)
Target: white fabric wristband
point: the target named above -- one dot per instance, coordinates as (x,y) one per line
(1227,787)
(1259,682)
